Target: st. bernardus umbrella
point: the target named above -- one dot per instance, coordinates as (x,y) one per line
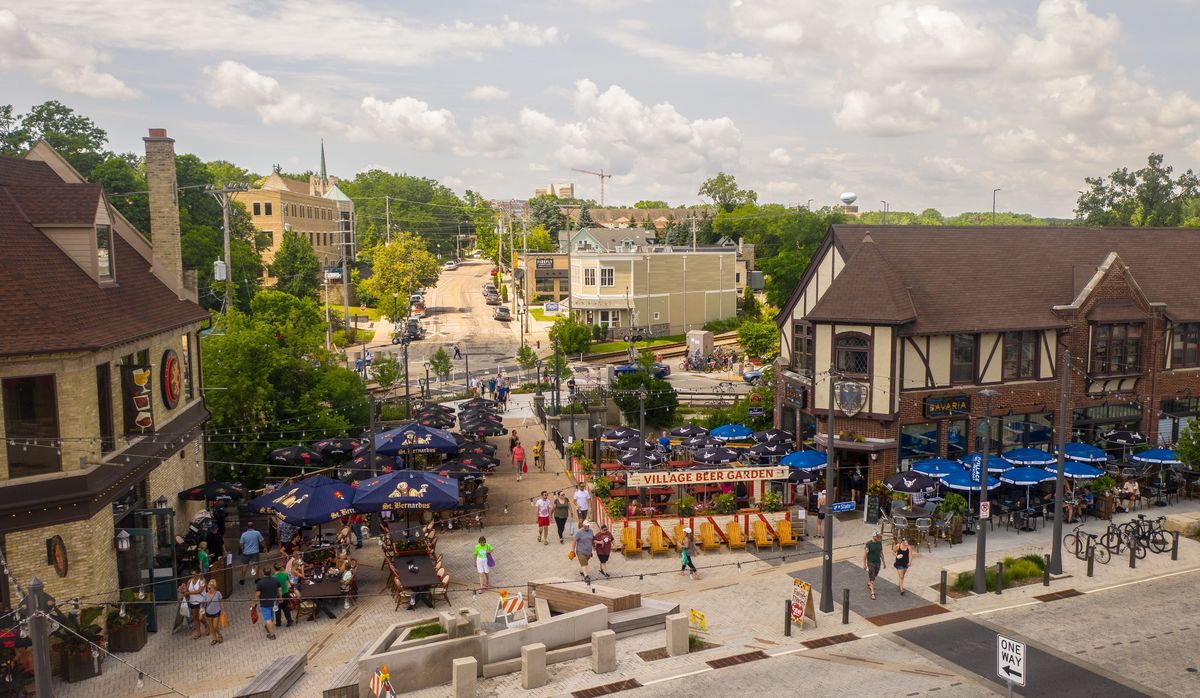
(479,447)
(309,502)
(407,489)
(702,441)
(770,451)
(641,459)
(632,443)
(337,448)
(772,436)
(414,438)
(729,432)
(477,460)
(1124,437)
(476,402)
(485,429)
(213,489)
(909,482)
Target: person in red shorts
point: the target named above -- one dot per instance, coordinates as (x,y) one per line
(542,504)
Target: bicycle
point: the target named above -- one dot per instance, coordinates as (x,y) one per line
(1118,539)
(1078,541)
(1150,534)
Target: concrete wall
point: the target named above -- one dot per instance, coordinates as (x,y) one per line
(558,631)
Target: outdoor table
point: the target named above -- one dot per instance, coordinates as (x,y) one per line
(912,513)
(323,593)
(417,582)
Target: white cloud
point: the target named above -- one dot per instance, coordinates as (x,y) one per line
(538,167)
(487,93)
(780,157)
(1072,41)
(452,182)
(233,84)
(68,66)
(942,168)
(929,39)
(897,110)
(494,137)
(409,120)
(734,65)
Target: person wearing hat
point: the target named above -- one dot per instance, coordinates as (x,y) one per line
(583,547)
(603,546)
(687,549)
(873,560)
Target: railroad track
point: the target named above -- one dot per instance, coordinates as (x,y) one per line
(668,351)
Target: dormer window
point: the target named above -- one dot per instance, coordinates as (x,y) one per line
(104,255)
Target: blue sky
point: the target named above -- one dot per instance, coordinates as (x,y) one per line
(918,103)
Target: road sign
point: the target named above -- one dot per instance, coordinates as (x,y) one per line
(985,510)
(839,507)
(1010,660)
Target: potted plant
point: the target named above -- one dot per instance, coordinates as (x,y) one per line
(771,502)
(410,548)
(616,508)
(1104,488)
(79,632)
(685,505)
(955,504)
(126,628)
(601,487)
(585,464)
(724,503)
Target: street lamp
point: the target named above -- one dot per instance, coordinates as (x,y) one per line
(642,395)
(122,541)
(537,378)
(395,308)
(427,390)
(981,534)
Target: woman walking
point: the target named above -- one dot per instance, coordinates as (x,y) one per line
(483,556)
(195,599)
(687,548)
(214,608)
(562,510)
(519,460)
(903,560)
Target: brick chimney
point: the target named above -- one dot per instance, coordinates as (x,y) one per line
(164,209)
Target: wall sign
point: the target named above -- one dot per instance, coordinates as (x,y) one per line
(56,554)
(947,406)
(544,263)
(135,394)
(698,477)
(171,375)
(795,394)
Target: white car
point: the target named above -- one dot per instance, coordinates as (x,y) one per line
(451,265)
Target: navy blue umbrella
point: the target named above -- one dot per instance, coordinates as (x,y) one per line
(715,456)
(769,450)
(620,433)
(415,438)
(647,458)
(407,489)
(773,436)
(687,431)
(336,448)
(309,502)
(631,444)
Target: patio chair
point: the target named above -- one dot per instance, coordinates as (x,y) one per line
(657,545)
(441,590)
(399,593)
(306,609)
(787,539)
(899,527)
(924,524)
(708,537)
(941,528)
(630,543)
(678,536)
(733,535)
(760,536)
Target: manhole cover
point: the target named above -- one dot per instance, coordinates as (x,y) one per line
(626,685)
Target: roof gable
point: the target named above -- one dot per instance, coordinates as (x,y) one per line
(891,303)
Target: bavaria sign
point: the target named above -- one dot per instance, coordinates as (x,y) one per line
(1010,660)
(701,477)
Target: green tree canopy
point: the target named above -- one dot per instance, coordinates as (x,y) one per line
(661,399)
(418,205)
(440,364)
(585,218)
(76,137)
(401,267)
(1189,444)
(724,192)
(544,211)
(573,337)
(651,203)
(1146,197)
(296,268)
(759,338)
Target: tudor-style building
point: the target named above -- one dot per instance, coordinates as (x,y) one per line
(927,317)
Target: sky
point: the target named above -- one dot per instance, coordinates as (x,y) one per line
(920,104)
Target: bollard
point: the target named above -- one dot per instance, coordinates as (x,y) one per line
(1174,545)
(999,577)
(845,606)
(1133,544)
(1091,560)
(942,589)
(787,617)
(1046,570)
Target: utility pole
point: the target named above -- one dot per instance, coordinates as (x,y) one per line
(39,635)
(328,320)
(981,533)
(346,225)
(557,378)
(885,211)
(525,280)
(830,498)
(693,233)
(407,395)
(1063,428)
(222,197)
(387,214)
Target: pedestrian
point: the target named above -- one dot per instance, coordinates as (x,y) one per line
(483,556)
(284,606)
(664,442)
(539,455)
(820,514)
(457,353)
(513,440)
(582,547)
(873,560)
(903,560)
(249,546)
(202,558)
(214,608)
(502,398)
(857,483)
(519,460)
(267,594)
(491,386)
(602,544)
(473,383)
(687,549)
(583,500)
(195,600)
(542,505)
(215,539)
(562,511)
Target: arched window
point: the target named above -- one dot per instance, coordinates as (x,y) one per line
(853,352)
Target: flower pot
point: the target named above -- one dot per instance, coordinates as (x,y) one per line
(78,666)
(127,638)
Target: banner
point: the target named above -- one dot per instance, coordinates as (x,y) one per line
(704,477)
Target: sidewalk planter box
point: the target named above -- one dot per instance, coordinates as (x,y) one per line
(78,666)
(127,638)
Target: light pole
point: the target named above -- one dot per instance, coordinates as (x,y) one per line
(395,311)
(994,205)
(428,392)
(557,378)
(1059,477)
(830,497)
(222,196)
(407,395)
(981,534)
(537,378)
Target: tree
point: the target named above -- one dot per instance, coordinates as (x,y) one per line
(1189,444)
(527,358)
(653,203)
(723,190)
(223,173)
(418,205)
(750,305)
(661,399)
(296,268)
(540,240)
(544,211)
(759,338)
(124,184)
(401,266)
(573,337)
(76,137)
(1147,197)
(201,246)
(439,363)
(585,218)
(387,371)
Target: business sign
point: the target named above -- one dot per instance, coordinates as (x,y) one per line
(947,406)
(704,477)
(544,263)
(840,507)
(795,394)
(802,605)
(1010,660)
(136,393)
(756,412)
(550,307)
(977,470)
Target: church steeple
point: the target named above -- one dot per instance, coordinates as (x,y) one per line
(324,176)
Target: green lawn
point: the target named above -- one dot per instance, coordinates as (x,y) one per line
(541,316)
(601,347)
(339,311)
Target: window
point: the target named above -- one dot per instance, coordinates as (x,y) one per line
(31,425)
(104,244)
(1116,349)
(606,276)
(657,316)
(853,354)
(589,277)
(257,208)
(283,207)
(543,285)
(187,366)
(104,404)
(804,356)
(1020,355)
(267,208)
(917,442)
(1185,346)
(956,439)
(963,350)
(737,277)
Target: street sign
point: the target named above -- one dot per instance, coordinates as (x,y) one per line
(985,510)
(839,507)
(756,412)
(1010,660)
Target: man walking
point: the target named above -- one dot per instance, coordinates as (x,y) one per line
(457,353)
(584,539)
(542,504)
(873,560)
(250,546)
(268,593)
(583,500)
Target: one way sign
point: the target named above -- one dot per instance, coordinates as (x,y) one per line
(1010,660)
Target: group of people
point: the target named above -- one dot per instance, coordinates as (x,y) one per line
(517,451)
(497,387)
(873,560)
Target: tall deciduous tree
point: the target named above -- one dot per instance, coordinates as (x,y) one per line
(661,399)
(1146,197)
(573,337)
(651,203)
(401,267)
(724,192)
(296,268)
(76,137)
(759,338)
(544,211)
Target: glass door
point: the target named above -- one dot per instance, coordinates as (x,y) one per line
(160,525)
(134,571)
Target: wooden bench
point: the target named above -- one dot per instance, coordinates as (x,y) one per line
(276,679)
(345,682)
(565,596)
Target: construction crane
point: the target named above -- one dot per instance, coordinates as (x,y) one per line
(601,174)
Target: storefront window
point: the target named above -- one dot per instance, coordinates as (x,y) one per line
(1089,423)
(853,354)
(982,432)
(31,425)
(956,439)
(1032,430)
(917,441)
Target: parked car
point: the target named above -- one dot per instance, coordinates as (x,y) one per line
(417,310)
(489,288)
(450,265)
(476,254)
(753,375)
(418,297)
(493,298)
(410,330)
(502,313)
(661,370)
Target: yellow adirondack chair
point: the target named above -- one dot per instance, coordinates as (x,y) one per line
(758,534)
(630,544)
(708,537)
(678,536)
(657,545)
(734,535)
(787,539)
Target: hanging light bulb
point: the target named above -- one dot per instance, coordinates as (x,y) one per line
(121,613)
(141,682)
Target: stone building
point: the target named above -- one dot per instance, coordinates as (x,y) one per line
(102,415)
(918,320)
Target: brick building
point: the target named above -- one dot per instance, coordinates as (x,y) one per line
(924,318)
(102,415)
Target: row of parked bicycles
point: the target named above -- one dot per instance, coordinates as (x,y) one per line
(1141,534)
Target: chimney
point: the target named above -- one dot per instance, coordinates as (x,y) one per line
(164,209)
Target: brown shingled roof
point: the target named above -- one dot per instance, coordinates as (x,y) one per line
(867,272)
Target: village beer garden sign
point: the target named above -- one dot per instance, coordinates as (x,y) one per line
(704,477)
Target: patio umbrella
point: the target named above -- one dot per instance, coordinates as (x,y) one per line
(687,431)
(477,460)
(485,429)
(772,436)
(996,463)
(1124,437)
(1077,471)
(802,477)
(337,448)
(702,441)
(435,421)
(308,502)
(415,438)
(805,460)
(407,489)
(909,482)
(1158,456)
(1027,456)
(436,407)
(641,459)
(1086,453)
(363,463)
(962,481)
(1027,476)
(727,432)
(296,455)
(476,402)
(620,433)
(479,447)
(632,443)
(937,467)
(770,450)
(715,456)
(213,489)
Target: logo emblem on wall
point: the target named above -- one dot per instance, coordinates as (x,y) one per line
(172,379)
(136,388)
(851,397)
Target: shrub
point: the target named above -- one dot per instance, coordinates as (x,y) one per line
(599,334)
(724,503)
(685,505)
(616,507)
(601,487)
(427,630)
(771,502)
(1015,570)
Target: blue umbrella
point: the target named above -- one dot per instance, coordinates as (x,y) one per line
(996,464)
(407,489)
(1077,471)
(731,431)
(1087,453)
(1158,456)
(1027,456)
(1027,476)
(309,502)
(937,467)
(805,460)
(415,438)
(962,481)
